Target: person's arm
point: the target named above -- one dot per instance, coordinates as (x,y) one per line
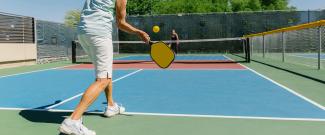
(123,25)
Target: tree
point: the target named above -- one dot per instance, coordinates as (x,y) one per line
(275,4)
(72,18)
(190,6)
(254,5)
(148,7)
(239,5)
(258,5)
(140,7)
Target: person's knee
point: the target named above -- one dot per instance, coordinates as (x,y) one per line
(104,81)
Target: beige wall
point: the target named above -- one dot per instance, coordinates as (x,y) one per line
(10,52)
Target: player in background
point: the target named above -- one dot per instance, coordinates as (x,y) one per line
(175,41)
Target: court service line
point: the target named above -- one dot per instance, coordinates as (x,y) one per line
(44,70)
(191,69)
(304,64)
(175,69)
(80,94)
(222,116)
(306,57)
(123,57)
(178,115)
(34,71)
(286,88)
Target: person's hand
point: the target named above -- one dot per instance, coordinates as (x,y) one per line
(144,36)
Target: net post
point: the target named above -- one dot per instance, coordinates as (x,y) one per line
(248,50)
(320,47)
(263,46)
(283,46)
(250,44)
(74,52)
(244,47)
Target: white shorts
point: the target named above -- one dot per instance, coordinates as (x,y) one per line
(100,51)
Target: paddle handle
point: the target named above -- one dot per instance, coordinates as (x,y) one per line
(151,43)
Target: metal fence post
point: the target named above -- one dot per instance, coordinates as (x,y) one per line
(263,46)
(249,49)
(251,46)
(320,47)
(283,46)
(74,52)
(244,46)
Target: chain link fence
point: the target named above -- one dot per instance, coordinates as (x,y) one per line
(54,41)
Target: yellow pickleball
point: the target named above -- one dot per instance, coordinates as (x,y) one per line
(156,29)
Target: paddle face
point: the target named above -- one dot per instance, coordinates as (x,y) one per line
(162,55)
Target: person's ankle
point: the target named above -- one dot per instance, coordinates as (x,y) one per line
(111,104)
(74,119)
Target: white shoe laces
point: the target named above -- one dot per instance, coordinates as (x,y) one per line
(116,108)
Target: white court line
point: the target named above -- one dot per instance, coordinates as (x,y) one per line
(198,69)
(221,116)
(179,115)
(306,57)
(34,71)
(308,65)
(286,88)
(189,69)
(43,70)
(78,95)
(86,69)
(119,58)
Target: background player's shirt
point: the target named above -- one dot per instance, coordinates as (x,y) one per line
(97,17)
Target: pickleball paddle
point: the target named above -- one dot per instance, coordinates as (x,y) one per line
(161,54)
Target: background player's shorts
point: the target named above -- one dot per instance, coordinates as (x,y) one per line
(100,51)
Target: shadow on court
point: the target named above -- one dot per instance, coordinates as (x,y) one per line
(44,116)
(52,117)
(48,116)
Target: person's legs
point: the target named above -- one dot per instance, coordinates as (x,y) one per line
(109,94)
(74,125)
(112,107)
(97,49)
(103,60)
(89,97)
(174,48)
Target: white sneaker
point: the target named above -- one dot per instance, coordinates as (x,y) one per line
(114,110)
(74,127)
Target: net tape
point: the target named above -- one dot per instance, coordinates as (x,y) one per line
(182,41)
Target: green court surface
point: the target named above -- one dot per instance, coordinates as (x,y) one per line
(46,123)
(295,66)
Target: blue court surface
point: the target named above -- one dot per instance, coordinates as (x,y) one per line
(178,57)
(191,92)
(313,56)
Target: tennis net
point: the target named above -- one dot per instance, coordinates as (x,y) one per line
(225,50)
(299,49)
(302,45)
